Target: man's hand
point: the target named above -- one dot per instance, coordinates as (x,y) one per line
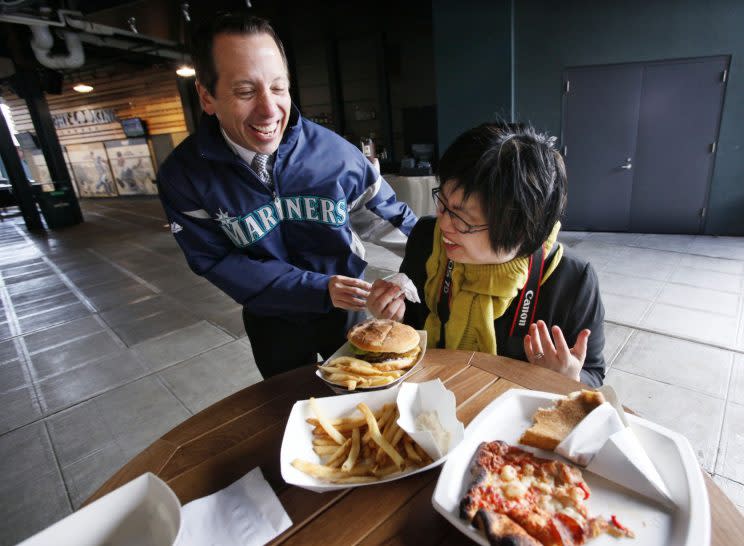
(386,300)
(540,350)
(348,293)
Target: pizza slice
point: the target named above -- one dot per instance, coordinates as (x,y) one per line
(519,499)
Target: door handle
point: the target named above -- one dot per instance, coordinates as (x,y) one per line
(628,165)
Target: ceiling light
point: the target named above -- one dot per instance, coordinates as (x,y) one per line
(83,88)
(186,71)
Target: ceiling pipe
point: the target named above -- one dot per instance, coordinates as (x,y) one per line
(42,43)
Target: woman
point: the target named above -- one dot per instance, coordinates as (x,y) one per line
(489,270)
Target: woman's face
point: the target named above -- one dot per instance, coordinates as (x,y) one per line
(466,248)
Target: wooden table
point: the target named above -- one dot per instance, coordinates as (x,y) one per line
(222,443)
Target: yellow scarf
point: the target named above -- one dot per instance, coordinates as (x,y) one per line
(480,293)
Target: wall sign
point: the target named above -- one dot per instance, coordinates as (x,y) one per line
(85,116)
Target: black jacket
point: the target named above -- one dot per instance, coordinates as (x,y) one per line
(569,298)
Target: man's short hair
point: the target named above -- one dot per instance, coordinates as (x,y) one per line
(226,23)
(518,176)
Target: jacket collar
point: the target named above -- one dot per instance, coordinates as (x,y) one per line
(211,144)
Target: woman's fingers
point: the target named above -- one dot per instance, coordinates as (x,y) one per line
(546,343)
(561,347)
(535,341)
(579,350)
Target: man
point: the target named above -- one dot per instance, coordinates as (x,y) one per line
(270,207)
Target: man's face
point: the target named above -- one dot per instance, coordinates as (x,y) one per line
(251,98)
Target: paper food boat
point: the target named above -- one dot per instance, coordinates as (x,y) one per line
(346,350)
(604,445)
(145,512)
(410,397)
(687,523)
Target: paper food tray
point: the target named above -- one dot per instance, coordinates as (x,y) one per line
(508,416)
(297,441)
(345,350)
(145,512)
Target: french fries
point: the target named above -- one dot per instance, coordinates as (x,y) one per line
(360,448)
(350,372)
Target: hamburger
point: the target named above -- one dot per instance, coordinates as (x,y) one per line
(384,342)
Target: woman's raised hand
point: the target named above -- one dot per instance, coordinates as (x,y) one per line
(386,300)
(542,351)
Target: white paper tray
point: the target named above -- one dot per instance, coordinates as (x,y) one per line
(298,437)
(509,415)
(345,350)
(145,512)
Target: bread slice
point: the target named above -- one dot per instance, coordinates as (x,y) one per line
(552,425)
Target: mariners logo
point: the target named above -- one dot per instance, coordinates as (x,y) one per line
(247,229)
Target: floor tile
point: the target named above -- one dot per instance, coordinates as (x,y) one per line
(180,345)
(116,293)
(138,331)
(171,279)
(67,388)
(624,309)
(212,376)
(79,431)
(6,332)
(694,415)
(736,389)
(38,284)
(19,407)
(722,265)
(616,335)
(733,490)
(57,335)
(35,307)
(702,299)
(614,238)
(712,279)
(139,413)
(8,351)
(85,476)
(677,362)
(676,243)
(623,285)
(32,506)
(140,310)
(65,357)
(13,374)
(25,452)
(731,451)
(28,298)
(53,317)
(231,321)
(657,268)
(692,324)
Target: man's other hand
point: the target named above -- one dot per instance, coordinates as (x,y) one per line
(348,293)
(386,300)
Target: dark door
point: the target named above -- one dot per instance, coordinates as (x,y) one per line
(600,121)
(681,106)
(640,144)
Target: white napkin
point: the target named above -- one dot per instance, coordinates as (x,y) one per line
(246,513)
(406,284)
(606,447)
(431,396)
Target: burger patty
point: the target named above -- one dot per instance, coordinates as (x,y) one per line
(374,358)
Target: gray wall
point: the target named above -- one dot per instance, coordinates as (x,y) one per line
(551,36)
(472,64)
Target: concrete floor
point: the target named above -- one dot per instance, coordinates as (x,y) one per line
(108,340)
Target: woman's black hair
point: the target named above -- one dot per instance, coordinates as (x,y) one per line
(518,176)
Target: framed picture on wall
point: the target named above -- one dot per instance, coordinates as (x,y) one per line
(132,166)
(92,171)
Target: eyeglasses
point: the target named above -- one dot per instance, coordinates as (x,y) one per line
(459,224)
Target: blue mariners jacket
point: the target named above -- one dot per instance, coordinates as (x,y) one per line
(274,251)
